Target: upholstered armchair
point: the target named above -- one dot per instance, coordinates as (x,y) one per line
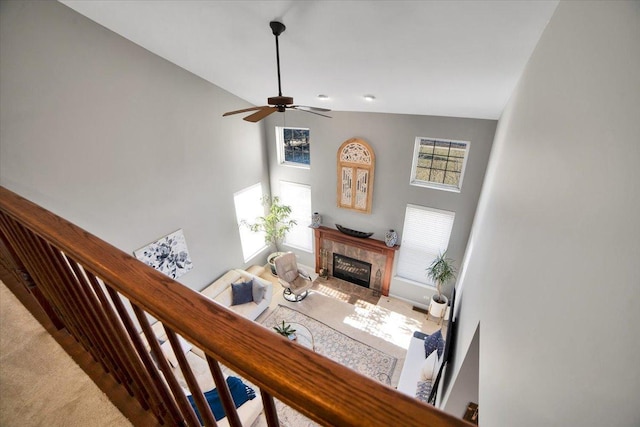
(296,282)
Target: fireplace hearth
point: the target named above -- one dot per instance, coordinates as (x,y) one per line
(351,270)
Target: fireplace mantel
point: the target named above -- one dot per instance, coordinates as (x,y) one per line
(368,244)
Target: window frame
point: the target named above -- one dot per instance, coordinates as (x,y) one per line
(413,180)
(281,149)
(302,220)
(244,230)
(405,246)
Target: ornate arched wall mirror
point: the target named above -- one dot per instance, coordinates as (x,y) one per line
(356,164)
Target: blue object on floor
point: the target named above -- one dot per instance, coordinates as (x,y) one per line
(240,392)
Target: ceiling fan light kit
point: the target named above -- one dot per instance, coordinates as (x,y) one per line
(278,103)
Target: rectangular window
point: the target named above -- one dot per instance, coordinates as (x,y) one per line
(293,146)
(439,163)
(425,234)
(248,203)
(298,197)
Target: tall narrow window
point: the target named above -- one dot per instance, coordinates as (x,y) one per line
(249,207)
(293,146)
(298,197)
(425,234)
(439,163)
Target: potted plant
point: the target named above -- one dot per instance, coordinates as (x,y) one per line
(440,271)
(275,225)
(285,330)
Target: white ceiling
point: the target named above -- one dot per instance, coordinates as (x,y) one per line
(444,58)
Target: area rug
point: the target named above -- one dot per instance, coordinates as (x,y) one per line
(336,346)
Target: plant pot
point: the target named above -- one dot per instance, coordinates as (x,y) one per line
(437,309)
(272,264)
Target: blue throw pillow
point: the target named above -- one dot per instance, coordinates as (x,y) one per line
(440,348)
(423,390)
(240,392)
(241,293)
(434,342)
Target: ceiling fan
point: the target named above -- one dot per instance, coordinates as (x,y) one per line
(276,103)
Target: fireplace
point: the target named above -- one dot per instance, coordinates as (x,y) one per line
(330,241)
(351,270)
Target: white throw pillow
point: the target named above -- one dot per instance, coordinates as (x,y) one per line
(428,367)
(259,290)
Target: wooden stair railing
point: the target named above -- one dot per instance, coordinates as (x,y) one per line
(84,283)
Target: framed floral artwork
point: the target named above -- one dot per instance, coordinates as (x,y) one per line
(168,255)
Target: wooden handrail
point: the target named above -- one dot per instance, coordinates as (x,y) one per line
(323,390)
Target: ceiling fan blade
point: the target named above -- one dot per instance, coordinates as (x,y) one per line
(264,112)
(306,108)
(295,107)
(228,113)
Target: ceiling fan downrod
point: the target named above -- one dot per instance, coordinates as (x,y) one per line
(278,28)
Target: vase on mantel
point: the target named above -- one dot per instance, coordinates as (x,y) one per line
(316,220)
(390,238)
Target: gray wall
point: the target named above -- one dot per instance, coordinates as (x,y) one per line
(392,137)
(552,270)
(132,147)
(465,389)
(120,141)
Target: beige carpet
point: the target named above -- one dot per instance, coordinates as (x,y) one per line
(40,385)
(327,341)
(387,326)
(376,326)
(334,345)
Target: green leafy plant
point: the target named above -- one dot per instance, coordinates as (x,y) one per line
(441,271)
(276,223)
(285,330)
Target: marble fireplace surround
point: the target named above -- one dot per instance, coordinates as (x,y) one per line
(373,251)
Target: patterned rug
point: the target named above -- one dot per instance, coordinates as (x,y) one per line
(336,346)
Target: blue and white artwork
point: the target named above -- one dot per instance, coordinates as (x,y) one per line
(168,255)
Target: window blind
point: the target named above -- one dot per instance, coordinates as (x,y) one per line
(425,234)
(298,197)
(248,204)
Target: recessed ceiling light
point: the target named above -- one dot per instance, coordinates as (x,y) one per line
(369,98)
(323,97)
